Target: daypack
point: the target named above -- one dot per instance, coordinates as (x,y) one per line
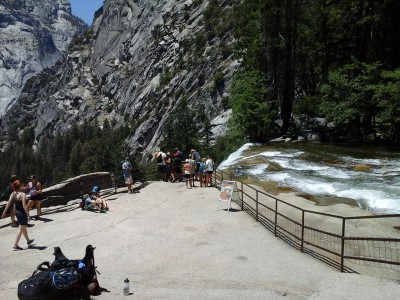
(62,277)
(159,158)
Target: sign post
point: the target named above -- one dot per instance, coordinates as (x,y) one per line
(226,193)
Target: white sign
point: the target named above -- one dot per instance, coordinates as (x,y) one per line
(227,188)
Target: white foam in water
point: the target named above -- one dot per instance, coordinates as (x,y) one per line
(297,165)
(379,189)
(334,173)
(258,170)
(270,153)
(312,187)
(235,156)
(376,200)
(281,154)
(278,177)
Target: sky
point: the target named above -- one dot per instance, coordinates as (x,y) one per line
(85,9)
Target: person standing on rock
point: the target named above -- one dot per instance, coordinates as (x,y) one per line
(161,165)
(127,172)
(209,171)
(187,170)
(18,200)
(35,191)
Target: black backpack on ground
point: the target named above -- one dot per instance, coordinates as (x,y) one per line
(63,277)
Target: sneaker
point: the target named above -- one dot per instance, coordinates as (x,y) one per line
(14,225)
(16,248)
(30,242)
(103,211)
(37,218)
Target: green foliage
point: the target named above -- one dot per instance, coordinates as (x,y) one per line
(225,145)
(308,105)
(82,149)
(180,129)
(219,80)
(359,95)
(250,108)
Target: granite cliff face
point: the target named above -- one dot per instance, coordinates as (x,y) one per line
(138,61)
(33,36)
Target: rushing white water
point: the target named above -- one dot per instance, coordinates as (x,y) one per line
(323,173)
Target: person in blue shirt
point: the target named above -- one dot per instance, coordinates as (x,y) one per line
(96,201)
(127,172)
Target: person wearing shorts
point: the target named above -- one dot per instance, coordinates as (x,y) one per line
(35,191)
(209,171)
(161,164)
(127,172)
(187,171)
(18,199)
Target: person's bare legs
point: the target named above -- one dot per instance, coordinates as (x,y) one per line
(18,237)
(25,232)
(12,216)
(101,203)
(30,205)
(38,205)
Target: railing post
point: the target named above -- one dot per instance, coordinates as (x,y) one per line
(256,206)
(302,231)
(241,185)
(276,216)
(342,250)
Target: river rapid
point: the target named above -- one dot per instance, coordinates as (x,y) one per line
(369,175)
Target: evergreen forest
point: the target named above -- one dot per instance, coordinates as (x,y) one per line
(333,59)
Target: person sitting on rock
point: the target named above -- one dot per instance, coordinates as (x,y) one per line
(95,201)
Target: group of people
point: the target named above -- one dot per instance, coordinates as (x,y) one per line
(23,197)
(19,206)
(175,168)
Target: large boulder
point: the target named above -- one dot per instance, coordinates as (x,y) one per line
(72,188)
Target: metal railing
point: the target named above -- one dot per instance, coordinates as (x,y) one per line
(357,244)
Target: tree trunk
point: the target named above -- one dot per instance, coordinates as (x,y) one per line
(288,83)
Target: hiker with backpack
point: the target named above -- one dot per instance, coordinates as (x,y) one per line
(18,200)
(161,164)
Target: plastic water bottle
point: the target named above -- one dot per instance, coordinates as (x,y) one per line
(126,287)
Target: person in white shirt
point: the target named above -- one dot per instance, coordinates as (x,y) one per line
(162,167)
(209,171)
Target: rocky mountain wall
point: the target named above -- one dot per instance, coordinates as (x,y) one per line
(138,61)
(33,36)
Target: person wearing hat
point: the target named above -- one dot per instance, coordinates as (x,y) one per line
(127,172)
(34,190)
(96,201)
